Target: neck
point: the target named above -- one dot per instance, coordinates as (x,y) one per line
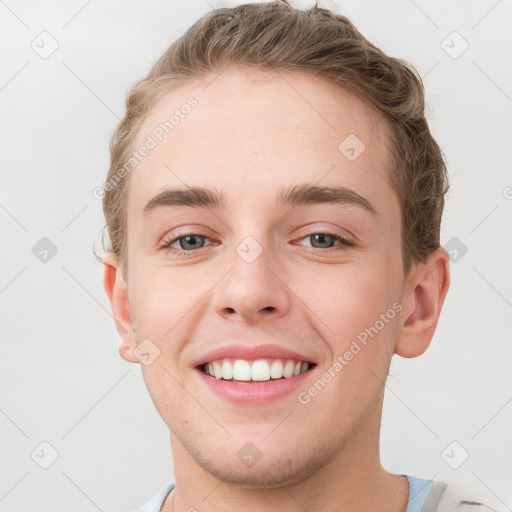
(351,480)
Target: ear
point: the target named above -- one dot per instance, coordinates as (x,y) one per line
(425,291)
(117,291)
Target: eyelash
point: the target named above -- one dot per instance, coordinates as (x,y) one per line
(166,247)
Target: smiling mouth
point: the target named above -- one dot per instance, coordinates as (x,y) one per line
(251,372)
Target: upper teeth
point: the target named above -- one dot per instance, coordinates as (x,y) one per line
(258,370)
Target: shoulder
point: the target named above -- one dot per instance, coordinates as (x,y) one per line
(450,495)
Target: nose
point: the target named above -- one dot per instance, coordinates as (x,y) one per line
(255,289)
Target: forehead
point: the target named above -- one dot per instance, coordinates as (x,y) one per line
(249,133)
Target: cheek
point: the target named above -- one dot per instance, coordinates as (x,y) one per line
(355,313)
(346,300)
(161,297)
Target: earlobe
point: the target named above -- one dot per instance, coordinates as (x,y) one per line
(117,292)
(427,288)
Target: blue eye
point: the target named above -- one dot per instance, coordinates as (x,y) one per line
(187,243)
(322,237)
(191,242)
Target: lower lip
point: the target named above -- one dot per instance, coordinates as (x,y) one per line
(254,393)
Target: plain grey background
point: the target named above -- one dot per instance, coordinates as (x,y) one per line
(65,70)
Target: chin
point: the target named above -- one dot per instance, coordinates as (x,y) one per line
(266,477)
(250,468)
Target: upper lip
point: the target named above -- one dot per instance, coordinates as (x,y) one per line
(252,352)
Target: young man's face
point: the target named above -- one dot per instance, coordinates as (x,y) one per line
(254,273)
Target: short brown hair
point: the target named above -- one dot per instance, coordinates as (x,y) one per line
(277,36)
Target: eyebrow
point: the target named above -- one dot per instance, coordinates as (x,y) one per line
(300,194)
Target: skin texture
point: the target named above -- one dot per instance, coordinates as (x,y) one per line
(248,137)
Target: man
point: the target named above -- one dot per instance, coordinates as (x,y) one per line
(274,203)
